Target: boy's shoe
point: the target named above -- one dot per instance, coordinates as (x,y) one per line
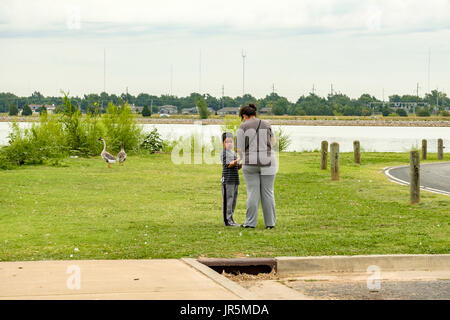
(244,226)
(234,225)
(270,227)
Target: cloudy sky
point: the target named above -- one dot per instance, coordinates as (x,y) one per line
(358,46)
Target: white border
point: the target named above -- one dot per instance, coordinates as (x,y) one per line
(402,182)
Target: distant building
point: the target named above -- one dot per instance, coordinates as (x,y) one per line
(36,108)
(168,109)
(267,110)
(190,110)
(136,109)
(228,110)
(194,110)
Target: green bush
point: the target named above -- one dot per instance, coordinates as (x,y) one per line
(445,113)
(401,113)
(152,142)
(202,107)
(68,133)
(120,125)
(146,112)
(26,111)
(13,110)
(423,112)
(283,140)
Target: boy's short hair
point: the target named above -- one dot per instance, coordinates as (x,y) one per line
(226,135)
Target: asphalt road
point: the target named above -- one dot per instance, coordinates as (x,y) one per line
(389,290)
(433,175)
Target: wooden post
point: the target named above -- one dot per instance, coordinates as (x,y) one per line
(324,157)
(334,159)
(356,151)
(414,177)
(424,149)
(440,149)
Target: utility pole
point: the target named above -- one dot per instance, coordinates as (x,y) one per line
(200,73)
(223,93)
(171,78)
(313,89)
(104,69)
(331,89)
(243,71)
(437,97)
(417,98)
(429,67)
(273,88)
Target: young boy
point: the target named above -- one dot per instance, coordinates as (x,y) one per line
(230,179)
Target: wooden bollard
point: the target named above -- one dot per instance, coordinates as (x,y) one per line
(356,151)
(414,177)
(440,149)
(334,160)
(424,149)
(324,156)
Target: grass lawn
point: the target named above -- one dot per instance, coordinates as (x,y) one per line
(151,208)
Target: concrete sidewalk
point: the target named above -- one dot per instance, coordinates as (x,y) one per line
(109,279)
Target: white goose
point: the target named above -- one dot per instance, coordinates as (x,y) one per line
(108,157)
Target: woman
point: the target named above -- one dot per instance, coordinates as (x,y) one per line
(255,141)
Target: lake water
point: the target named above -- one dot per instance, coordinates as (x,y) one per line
(380,139)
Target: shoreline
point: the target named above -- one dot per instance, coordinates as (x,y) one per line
(285,122)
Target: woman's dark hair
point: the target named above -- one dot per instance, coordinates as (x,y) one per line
(226,135)
(249,110)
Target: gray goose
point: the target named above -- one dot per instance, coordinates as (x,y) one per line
(108,157)
(121,156)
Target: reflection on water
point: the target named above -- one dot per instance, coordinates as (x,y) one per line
(380,139)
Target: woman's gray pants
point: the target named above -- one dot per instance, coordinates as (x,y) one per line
(259,187)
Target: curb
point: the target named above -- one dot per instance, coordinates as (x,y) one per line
(406,183)
(358,264)
(221,280)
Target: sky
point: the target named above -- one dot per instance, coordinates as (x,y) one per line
(178,47)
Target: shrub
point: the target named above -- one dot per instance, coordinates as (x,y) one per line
(283,139)
(119,126)
(146,112)
(68,133)
(423,113)
(402,112)
(202,107)
(27,111)
(445,113)
(152,142)
(13,110)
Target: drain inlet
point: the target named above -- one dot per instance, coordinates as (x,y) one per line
(235,266)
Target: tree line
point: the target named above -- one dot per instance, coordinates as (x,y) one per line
(312,104)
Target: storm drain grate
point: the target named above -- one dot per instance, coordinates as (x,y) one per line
(236,266)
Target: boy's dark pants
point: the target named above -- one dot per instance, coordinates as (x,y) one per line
(229,195)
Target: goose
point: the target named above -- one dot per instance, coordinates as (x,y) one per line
(108,157)
(121,156)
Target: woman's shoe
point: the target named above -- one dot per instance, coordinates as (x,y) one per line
(270,227)
(244,226)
